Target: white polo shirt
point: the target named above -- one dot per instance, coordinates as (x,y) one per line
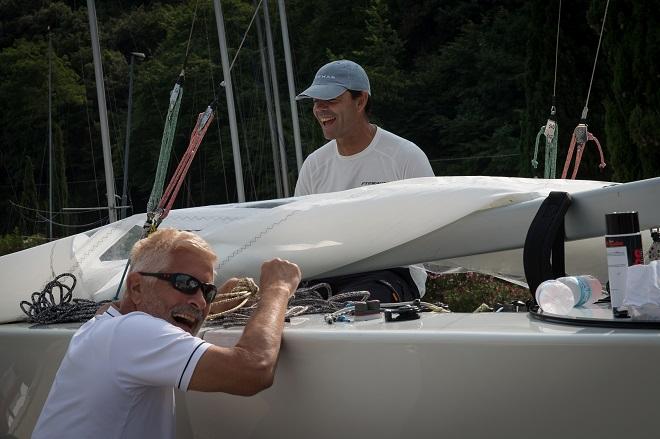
(117,379)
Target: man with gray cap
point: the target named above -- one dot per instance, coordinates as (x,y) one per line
(358,153)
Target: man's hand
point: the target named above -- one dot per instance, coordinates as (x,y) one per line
(280,276)
(249,366)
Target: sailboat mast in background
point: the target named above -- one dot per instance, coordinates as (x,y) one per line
(103,113)
(229,92)
(50,136)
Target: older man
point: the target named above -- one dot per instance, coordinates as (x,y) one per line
(118,376)
(359,153)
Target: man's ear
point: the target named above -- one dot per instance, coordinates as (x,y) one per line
(134,288)
(362,100)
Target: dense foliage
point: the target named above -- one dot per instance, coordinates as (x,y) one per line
(470,81)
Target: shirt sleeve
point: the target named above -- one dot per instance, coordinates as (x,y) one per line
(303,185)
(148,351)
(418,164)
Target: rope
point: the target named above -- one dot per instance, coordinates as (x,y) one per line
(593,71)
(554,86)
(240,46)
(157,215)
(245,289)
(550,130)
(203,122)
(167,139)
(307,300)
(45,309)
(581,136)
(304,301)
(192,26)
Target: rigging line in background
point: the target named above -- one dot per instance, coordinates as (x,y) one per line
(246,142)
(551,129)
(256,11)
(72,226)
(554,85)
(192,27)
(89,128)
(593,71)
(452,159)
(32,209)
(581,134)
(215,96)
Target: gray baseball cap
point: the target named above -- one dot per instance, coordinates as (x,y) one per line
(334,79)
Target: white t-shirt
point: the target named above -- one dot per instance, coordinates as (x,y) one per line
(117,379)
(387,158)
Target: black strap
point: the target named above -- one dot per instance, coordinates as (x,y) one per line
(545,238)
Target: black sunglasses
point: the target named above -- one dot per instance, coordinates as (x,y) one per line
(186,284)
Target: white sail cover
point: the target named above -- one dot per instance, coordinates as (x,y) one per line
(320,233)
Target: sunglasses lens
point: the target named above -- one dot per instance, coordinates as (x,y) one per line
(209,291)
(186,283)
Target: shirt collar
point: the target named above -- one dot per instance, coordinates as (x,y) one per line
(112,311)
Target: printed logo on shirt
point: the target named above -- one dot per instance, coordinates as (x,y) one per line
(369,183)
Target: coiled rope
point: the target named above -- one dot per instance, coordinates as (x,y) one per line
(307,300)
(304,301)
(45,309)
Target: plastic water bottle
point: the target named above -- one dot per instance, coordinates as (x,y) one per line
(561,295)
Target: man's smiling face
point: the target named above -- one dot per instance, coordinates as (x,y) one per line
(163,300)
(338,117)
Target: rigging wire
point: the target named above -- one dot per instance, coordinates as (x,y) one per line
(89,127)
(554,85)
(215,95)
(240,46)
(192,27)
(581,134)
(593,71)
(551,129)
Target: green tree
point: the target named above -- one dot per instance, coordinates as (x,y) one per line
(632,49)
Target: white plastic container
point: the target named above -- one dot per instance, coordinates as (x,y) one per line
(561,295)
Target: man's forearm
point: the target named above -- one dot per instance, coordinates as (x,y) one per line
(263,333)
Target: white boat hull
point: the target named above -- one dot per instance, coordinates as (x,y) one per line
(447,375)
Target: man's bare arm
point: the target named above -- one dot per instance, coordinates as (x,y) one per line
(249,367)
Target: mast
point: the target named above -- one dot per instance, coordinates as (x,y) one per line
(230,100)
(103,113)
(124,192)
(269,107)
(276,98)
(50,137)
(289,77)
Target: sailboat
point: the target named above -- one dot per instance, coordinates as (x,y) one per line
(459,365)
(455,375)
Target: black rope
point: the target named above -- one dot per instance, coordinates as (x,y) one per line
(46,309)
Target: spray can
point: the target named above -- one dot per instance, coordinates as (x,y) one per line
(624,248)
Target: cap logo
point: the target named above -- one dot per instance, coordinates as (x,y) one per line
(326,77)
